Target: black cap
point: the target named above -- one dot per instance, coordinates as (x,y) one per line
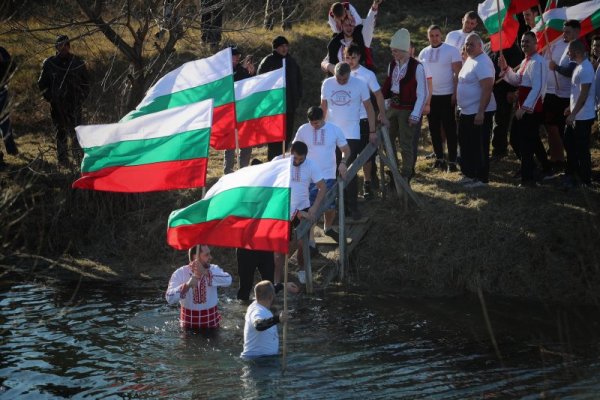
(235,51)
(278,41)
(61,39)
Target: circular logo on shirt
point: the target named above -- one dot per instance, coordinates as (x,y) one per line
(341,98)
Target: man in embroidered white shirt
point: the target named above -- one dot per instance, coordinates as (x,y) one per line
(194,286)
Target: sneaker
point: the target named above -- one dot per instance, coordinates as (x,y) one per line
(528,184)
(302,277)
(476,184)
(452,167)
(465,180)
(333,234)
(430,156)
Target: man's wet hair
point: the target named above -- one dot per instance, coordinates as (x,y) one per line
(299,148)
(314,113)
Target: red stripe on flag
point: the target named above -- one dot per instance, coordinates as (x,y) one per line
(510,29)
(586,27)
(222,133)
(146,178)
(253,234)
(262,130)
(521,5)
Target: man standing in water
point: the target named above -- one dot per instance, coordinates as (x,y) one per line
(194,286)
(260,325)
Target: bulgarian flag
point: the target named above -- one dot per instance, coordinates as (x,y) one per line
(159,151)
(260,108)
(588,13)
(249,208)
(499,18)
(208,78)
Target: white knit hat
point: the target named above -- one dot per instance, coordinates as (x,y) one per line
(401,40)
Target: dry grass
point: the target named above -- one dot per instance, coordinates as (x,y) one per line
(528,243)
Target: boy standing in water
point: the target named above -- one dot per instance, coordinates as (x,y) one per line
(260,327)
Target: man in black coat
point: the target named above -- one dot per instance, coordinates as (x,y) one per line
(64,83)
(293,87)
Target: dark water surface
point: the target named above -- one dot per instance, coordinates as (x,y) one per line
(114,342)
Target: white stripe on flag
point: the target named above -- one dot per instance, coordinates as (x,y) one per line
(272,174)
(155,125)
(260,83)
(190,75)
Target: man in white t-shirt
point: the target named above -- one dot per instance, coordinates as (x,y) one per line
(260,325)
(323,139)
(579,121)
(477,105)
(558,91)
(443,62)
(303,172)
(457,38)
(352,56)
(341,98)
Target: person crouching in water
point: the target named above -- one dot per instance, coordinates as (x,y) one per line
(260,325)
(194,286)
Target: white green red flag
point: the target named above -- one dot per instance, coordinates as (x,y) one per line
(208,78)
(249,208)
(163,150)
(260,108)
(500,20)
(587,13)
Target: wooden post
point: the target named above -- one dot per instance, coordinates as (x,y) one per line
(499,23)
(285,309)
(237,149)
(382,184)
(342,227)
(307,263)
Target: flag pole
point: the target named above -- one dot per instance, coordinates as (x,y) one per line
(237,149)
(499,23)
(547,42)
(285,309)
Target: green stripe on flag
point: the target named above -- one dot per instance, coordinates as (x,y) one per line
(221,91)
(182,146)
(260,104)
(255,202)
(492,22)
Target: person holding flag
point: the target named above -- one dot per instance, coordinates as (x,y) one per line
(194,286)
(531,78)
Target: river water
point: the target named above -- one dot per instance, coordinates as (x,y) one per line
(90,341)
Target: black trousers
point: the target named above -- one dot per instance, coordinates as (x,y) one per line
(474,143)
(65,119)
(442,114)
(577,144)
(526,135)
(501,122)
(248,261)
(275,149)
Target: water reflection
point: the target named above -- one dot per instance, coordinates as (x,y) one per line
(111,342)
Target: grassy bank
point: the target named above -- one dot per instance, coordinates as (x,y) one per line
(539,243)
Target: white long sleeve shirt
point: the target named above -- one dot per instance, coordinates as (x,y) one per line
(217,277)
(532,73)
(422,91)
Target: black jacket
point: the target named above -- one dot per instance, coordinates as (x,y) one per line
(64,81)
(293,77)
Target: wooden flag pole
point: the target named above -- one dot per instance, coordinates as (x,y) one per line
(237,149)
(547,42)
(499,24)
(285,309)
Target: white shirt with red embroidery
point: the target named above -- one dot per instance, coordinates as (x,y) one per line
(532,73)
(217,277)
(335,27)
(398,73)
(321,144)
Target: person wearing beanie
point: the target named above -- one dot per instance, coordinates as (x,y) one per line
(405,89)
(64,83)
(293,88)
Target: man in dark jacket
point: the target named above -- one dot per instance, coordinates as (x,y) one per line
(65,85)
(6,68)
(293,87)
